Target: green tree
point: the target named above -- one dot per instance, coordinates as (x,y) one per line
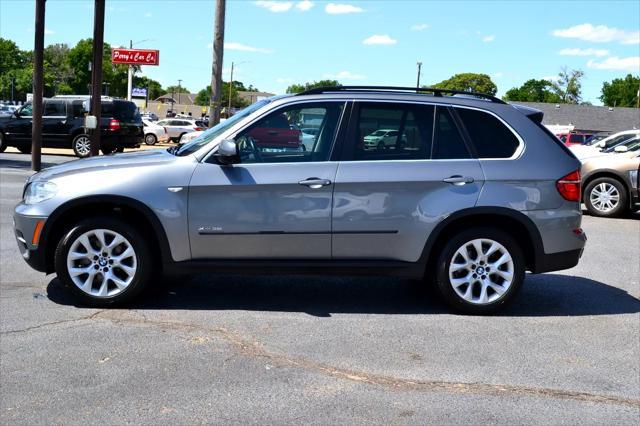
(177,89)
(533,91)
(204,95)
(16,66)
(298,88)
(155,88)
(621,92)
(57,67)
(568,86)
(469,82)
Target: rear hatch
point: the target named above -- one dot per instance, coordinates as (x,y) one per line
(125,113)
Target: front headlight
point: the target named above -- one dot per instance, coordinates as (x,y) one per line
(36,192)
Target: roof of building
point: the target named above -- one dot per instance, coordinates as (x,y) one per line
(184,98)
(588,118)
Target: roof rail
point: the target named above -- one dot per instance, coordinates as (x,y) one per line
(436,92)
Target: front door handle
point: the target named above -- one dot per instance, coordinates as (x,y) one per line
(315,183)
(458,180)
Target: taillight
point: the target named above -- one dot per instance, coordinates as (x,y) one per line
(114,124)
(198,129)
(569,186)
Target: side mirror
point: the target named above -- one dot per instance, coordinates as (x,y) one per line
(227,152)
(621,149)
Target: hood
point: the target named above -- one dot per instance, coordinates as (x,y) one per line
(128,160)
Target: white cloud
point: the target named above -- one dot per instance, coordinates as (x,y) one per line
(419,27)
(551,78)
(583,52)
(283,80)
(242,47)
(339,9)
(631,63)
(148,15)
(48,31)
(304,5)
(488,39)
(498,75)
(599,34)
(345,75)
(275,6)
(380,39)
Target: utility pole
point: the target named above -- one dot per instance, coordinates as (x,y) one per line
(419,68)
(230,88)
(216,68)
(96,73)
(179,90)
(130,75)
(38,73)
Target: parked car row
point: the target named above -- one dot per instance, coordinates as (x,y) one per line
(63,126)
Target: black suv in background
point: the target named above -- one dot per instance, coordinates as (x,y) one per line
(63,126)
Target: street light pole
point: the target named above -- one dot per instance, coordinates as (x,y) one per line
(230,88)
(419,68)
(179,90)
(130,75)
(13,82)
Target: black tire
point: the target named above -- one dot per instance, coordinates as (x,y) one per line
(595,208)
(81,145)
(150,139)
(24,149)
(3,143)
(180,137)
(120,149)
(456,242)
(143,267)
(106,150)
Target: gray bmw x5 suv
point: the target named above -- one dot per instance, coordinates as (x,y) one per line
(472,193)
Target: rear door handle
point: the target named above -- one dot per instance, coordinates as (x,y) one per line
(315,183)
(458,180)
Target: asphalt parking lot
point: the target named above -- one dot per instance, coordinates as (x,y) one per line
(283,350)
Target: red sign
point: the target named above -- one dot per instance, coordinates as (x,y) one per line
(135,56)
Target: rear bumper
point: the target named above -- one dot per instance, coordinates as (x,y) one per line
(127,141)
(557,261)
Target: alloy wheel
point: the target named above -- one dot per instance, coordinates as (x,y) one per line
(102,263)
(83,145)
(481,271)
(604,197)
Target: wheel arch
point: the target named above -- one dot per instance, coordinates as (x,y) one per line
(133,211)
(505,219)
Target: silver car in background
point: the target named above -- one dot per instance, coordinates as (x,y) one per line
(473,194)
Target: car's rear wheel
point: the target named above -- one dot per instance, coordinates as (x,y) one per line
(3,144)
(606,197)
(150,139)
(103,262)
(180,137)
(81,145)
(480,270)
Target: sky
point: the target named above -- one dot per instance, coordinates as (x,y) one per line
(278,43)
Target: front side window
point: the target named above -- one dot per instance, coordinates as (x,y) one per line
(389,131)
(279,137)
(26,111)
(491,138)
(54,108)
(448,143)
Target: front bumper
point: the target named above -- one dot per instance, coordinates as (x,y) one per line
(32,250)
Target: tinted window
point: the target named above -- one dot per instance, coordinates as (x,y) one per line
(448,144)
(491,138)
(392,132)
(278,138)
(26,111)
(54,108)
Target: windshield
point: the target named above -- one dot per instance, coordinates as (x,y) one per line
(209,135)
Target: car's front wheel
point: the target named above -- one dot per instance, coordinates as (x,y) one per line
(81,146)
(605,197)
(480,270)
(103,262)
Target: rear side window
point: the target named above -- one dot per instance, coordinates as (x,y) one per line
(54,108)
(491,138)
(388,131)
(448,143)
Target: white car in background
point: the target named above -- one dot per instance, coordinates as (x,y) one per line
(615,139)
(176,127)
(188,137)
(154,133)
